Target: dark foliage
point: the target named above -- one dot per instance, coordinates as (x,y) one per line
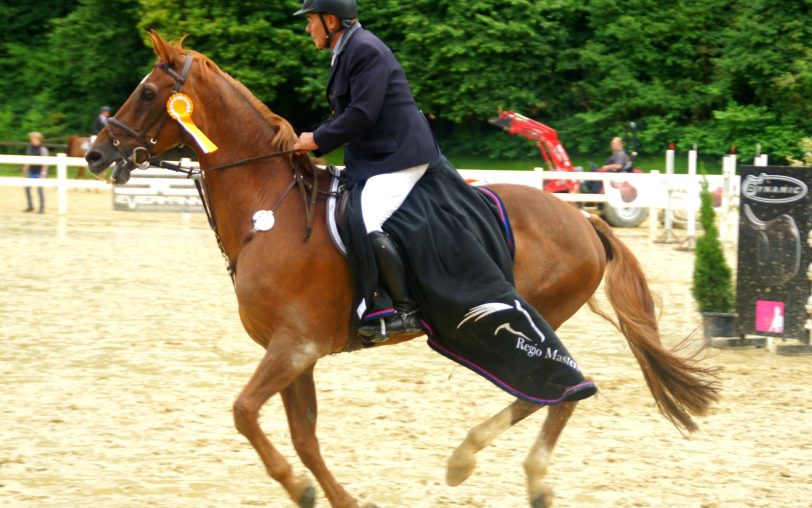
(712,72)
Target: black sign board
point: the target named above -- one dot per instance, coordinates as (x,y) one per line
(775,219)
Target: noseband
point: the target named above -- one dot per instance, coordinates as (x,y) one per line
(134,157)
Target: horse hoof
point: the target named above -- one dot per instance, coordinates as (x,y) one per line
(308,498)
(460,467)
(540,502)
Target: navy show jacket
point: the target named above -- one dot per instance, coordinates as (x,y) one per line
(373,112)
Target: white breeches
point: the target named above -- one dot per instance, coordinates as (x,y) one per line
(383,195)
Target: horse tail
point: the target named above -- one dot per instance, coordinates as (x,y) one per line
(680,386)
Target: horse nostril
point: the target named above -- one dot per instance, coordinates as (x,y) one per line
(93,156)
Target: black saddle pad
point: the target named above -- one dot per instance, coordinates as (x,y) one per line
(458,246)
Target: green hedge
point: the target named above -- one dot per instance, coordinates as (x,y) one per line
(717,73)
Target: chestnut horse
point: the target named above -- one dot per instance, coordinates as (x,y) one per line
(294,293)
(78,147)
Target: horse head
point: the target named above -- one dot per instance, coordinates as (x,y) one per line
(143,127)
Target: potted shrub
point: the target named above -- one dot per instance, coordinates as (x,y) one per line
(712,281)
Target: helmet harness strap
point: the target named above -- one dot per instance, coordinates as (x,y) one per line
(329,33)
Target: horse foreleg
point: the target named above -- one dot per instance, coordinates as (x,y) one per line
(538,460)
(302,411)
(462,462)
(281,364)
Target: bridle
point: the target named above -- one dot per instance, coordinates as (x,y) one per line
(147,142)
(133,157)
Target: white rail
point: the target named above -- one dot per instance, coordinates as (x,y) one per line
(655,191)
(61,182)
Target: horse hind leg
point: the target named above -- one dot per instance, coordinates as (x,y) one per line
(274,373)
(538,460)
(462,462)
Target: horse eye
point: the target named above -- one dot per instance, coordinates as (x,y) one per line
(147,94)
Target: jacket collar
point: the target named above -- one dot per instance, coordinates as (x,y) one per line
(342,43)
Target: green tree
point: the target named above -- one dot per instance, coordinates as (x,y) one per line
(648,62)
(23,41)
(712,277)
(712,72)
(766,71)
(259,43)
(467,59)
(108,60)
(806,148)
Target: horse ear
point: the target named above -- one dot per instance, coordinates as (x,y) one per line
(158,42)
(161,47)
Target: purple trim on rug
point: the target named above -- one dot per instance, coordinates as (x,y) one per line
(505,224)
(379,313)
(501,384)
(427,327)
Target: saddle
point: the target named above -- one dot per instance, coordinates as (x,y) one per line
(628,192)
(337,207)
(337,199)
(778,247)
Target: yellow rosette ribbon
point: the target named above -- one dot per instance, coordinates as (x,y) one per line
(180,107)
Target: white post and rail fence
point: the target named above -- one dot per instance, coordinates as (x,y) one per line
(62,183)
(163,190)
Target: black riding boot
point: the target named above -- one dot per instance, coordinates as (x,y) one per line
(392,272)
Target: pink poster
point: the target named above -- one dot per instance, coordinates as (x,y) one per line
(769,316)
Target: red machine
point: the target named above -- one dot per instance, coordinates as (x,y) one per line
(557,159)
(546,139)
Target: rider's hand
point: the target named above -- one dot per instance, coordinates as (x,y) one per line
(305,144)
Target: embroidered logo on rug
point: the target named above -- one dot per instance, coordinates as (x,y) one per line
(486,309)
(480,311)
(518,326)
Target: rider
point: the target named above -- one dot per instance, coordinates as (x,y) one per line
(99,122)
(457,238)
(387,141)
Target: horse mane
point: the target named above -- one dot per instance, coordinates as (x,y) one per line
(173,52)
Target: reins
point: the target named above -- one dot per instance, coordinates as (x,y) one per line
(298,178)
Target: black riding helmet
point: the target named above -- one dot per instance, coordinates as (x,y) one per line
(342,9)
(345,10)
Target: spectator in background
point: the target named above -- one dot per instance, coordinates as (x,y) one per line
(35,148)
(99,122)
(618,160)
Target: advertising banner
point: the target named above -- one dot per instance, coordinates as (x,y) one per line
(775,218)
(157,190)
